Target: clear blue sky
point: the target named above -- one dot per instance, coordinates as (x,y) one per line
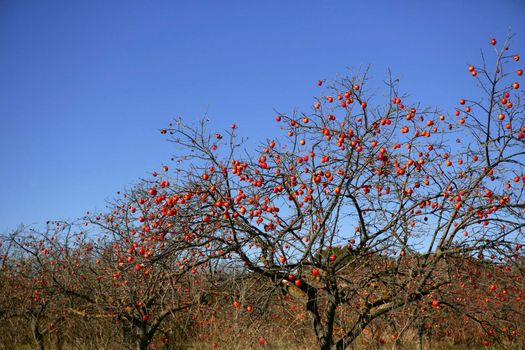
(86,85)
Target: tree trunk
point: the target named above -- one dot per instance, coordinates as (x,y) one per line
(37,335)
(143,343)
(420,334)
(144,338)
(326,340)
(352,335)
(60,342)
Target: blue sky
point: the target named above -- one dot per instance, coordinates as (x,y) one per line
(86,85)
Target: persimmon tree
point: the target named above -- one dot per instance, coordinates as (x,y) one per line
(29,294)
(353,179)
(102,272)
(129,277)
(481,305)
(486,297)
(107,268)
